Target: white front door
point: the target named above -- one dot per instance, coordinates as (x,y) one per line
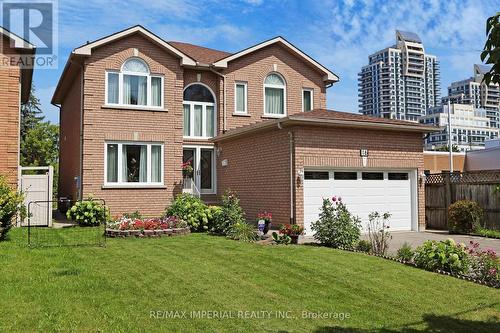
(202,160)
(363,192)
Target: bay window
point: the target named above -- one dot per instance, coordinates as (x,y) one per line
(274,96)
(134,86)
(133,163)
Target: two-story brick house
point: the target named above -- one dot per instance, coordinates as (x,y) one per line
(15,86)
(135,107)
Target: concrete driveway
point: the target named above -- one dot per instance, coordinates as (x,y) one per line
(417,238)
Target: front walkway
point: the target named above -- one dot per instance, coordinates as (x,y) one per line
(416,239)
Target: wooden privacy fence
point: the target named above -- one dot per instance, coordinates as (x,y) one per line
(441,190)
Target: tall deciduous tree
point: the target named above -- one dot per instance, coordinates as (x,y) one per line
(40,146)
(31,114)
(491,52)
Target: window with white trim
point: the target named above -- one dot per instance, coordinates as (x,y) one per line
(134,86)
(240,98)
(307,99)
(133,163)
(274,96)
(199,112)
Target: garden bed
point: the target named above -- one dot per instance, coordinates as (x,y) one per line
(147,233)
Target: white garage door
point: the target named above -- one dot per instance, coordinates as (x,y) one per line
(363,192)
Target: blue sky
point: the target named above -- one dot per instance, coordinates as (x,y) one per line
(339,34)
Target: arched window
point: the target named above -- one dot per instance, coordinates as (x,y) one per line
(134,86)
(199,111)
(274,96)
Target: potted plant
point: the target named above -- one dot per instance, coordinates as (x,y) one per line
(187,170)
(264,218)
(293,231)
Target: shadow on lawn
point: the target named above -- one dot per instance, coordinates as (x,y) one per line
(435,324)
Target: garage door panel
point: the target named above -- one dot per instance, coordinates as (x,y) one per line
(361,197)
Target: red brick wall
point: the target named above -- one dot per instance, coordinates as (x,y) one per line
(254,68)
(339,147)
(9,115)
(69,152)
(258,164)
(258,170)
(104,124)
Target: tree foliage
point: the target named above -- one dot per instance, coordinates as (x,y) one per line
(40,146)
(31,114)
(454,148)
(491,52)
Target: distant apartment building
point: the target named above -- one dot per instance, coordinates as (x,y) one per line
(474,92)
(470,127)
(401,81)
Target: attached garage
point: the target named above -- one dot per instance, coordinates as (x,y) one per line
(287,166)
(363,191)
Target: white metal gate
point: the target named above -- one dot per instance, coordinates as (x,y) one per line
(37,188)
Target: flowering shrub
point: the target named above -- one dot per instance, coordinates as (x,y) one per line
(378,226)
(11,203)
(484,264)
(228,214)
(443,255)
(336,226)
(147,224)
(192,210)
(88,212)
(464,216)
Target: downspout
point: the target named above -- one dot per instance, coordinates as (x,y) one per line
(80,190)
(292,185)
(224,113)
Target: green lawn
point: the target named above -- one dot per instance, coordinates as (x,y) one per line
(116,288)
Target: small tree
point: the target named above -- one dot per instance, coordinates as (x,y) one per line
(491,52)
(31,114)
(11,204)
(336,226)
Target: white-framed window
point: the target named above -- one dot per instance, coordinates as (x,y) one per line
(134,86)
(307,99)
(199,112)
(274,96)
(133,163)
(240,98)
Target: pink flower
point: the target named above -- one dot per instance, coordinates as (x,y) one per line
(334,199)
(340,199)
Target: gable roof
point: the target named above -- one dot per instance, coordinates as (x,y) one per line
(201,54)
(329,75)
(86,49)
(324,117)
(24,47)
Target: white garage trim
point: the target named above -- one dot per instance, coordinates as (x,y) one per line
(386,191)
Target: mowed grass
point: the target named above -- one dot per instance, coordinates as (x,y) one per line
(119,288)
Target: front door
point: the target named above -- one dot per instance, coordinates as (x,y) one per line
(202,160)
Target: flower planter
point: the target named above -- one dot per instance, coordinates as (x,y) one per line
(266,227)
(295,239)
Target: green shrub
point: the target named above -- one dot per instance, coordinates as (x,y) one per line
(281,238)
(464,216)
(11,204)
(364,246)
(228,214)
(443,255)
(192,210)
(133,216)
(488,233)
(405,253)
(336,226)
(88,212)
(242,231)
